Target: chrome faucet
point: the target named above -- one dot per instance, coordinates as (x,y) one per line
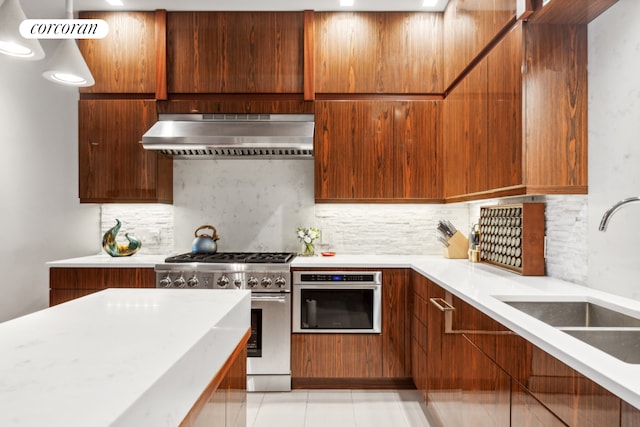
(607,215)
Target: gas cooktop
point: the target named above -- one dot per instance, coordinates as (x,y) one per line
(234,257)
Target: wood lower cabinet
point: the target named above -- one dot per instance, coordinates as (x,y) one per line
(377,151)
(224,402)
(473,365)
(71,283)
(113,166)
(526,410)
(463,385)
(360,360)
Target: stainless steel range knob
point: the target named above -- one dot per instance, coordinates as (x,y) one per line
(266,282)
(252,282)
(237,283)
(180,282)
(166,282)
(223,281)
(281,282)
(193,281)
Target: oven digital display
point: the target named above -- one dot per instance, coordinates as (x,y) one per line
(337,277)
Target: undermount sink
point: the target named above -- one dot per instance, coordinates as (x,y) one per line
(575,314)
(615,333)
(621,344)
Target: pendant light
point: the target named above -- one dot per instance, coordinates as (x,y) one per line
(11,41)
(67,66)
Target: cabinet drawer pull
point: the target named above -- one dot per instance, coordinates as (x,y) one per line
(442,304)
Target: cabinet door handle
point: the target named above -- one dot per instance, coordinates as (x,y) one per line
(442,304)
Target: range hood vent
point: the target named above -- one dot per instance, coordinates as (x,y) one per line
(189,136)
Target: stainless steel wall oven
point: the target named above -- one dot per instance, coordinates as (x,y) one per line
(337,301)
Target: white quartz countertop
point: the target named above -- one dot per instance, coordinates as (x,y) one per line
(105,261)
(120,357)
(485,287)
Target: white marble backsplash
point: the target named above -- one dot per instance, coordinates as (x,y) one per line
(256,205)
(386,228)
(151,223)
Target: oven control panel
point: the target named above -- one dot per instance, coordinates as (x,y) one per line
(257,281)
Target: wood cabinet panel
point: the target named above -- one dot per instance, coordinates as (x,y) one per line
(224,401)
(574,398)
(378,52)
(630,415)
(418,150)
(555,87)
(526,411)
(571,11)
(504,104)
(464,135)
(113,165)
(336,356)
(235,52)
(396,332)
(125,60)
(469,27)
(378,150)
(354,150)
(71,283)
(464,387)
(241,105)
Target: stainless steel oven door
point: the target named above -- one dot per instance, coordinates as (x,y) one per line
(338,309)
(269,347)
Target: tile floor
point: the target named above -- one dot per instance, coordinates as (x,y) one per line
(336,408)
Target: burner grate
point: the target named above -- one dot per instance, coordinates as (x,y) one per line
(234,257)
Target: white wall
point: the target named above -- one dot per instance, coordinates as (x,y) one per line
(614,147)
(40,218)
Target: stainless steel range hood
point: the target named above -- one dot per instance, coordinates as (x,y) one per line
(232,136)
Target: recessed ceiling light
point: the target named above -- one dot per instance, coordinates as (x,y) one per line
(346,3)
(115,2)
(429,3)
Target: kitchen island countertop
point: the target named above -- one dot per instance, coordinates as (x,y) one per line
(120,357)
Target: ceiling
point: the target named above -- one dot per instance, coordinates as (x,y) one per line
(260,5)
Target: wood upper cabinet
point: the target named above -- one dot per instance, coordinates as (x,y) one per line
(113,165)
(235,52)
(378,52)
(464,135)
(377,150)
(125,60)
(469,27)
(516,124)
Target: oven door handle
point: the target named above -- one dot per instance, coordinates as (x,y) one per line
(269,298)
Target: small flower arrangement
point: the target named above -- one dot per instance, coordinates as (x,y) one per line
(307,236)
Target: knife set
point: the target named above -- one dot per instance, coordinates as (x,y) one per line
(454,244)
